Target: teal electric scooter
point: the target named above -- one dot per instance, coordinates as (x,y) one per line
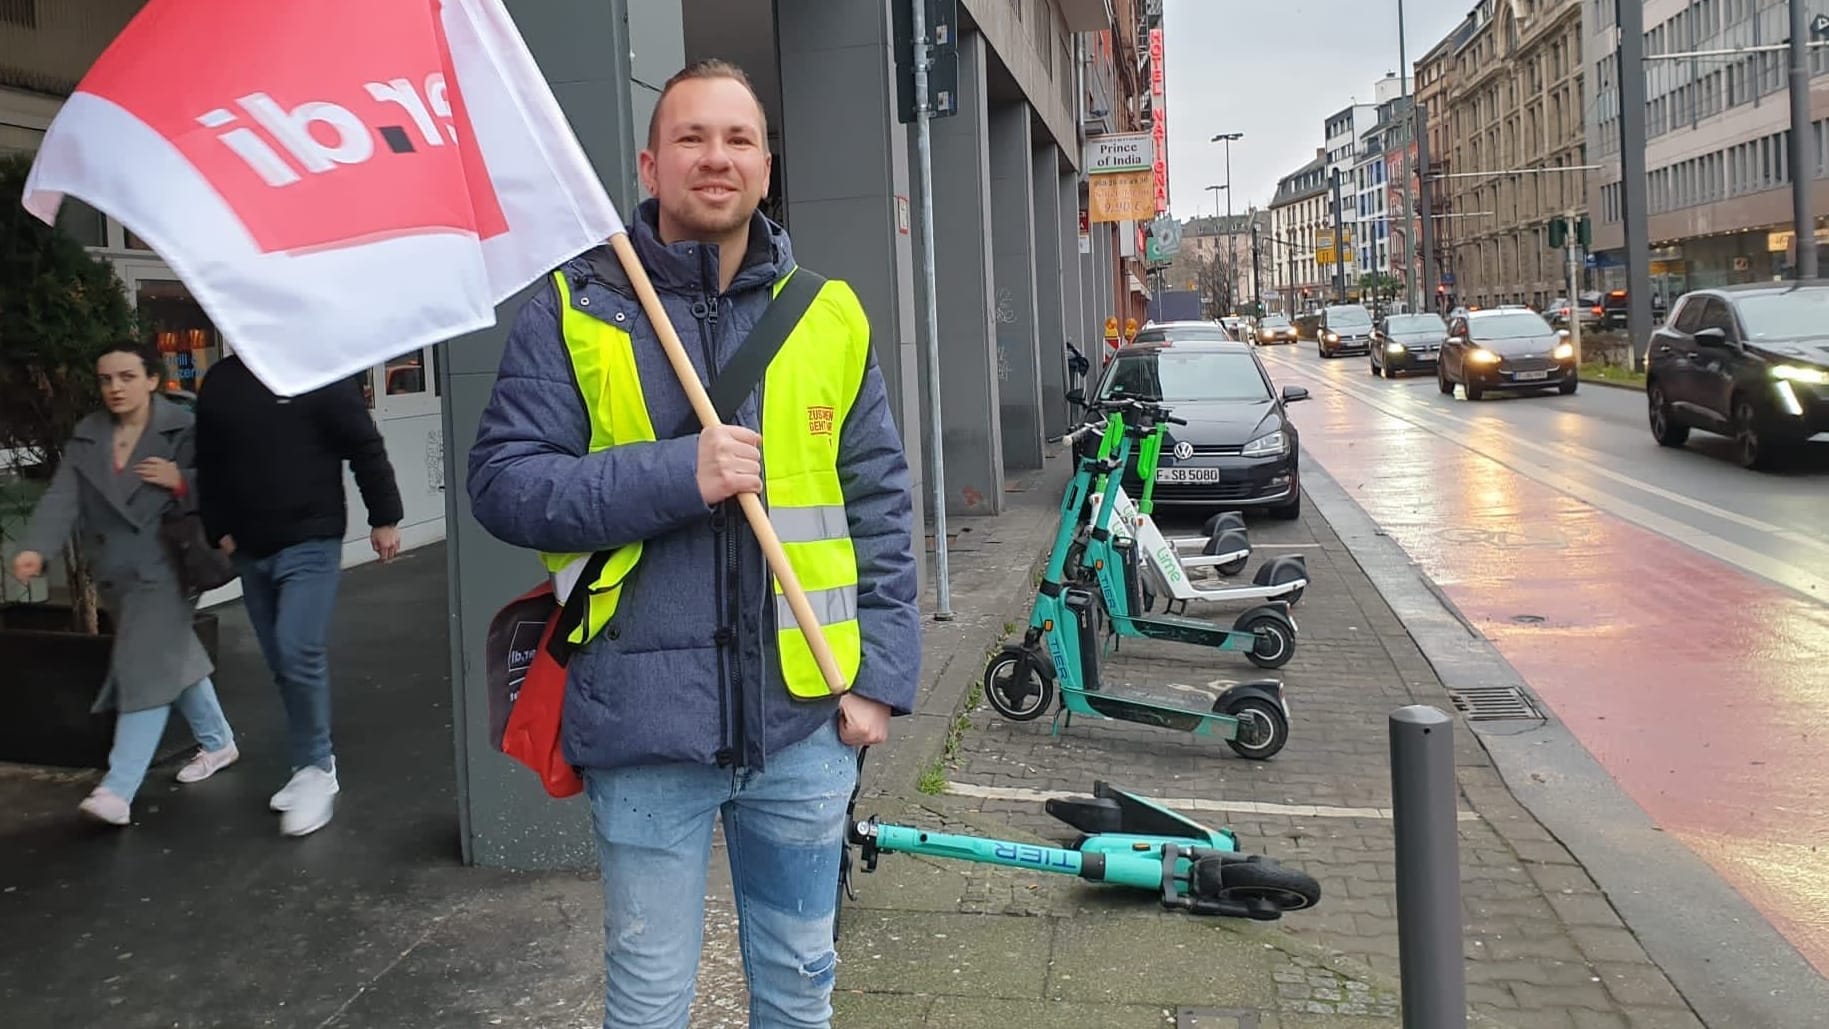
(1126,840)
(1266,633)
(1062,644)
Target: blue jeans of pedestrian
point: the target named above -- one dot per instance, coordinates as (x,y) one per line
(784,828)
(137,735)
(290,596)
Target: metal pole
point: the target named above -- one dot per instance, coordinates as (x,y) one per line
(1634,210)
(1339,248)
(1801,152)
(1575,304)
(1423,821)
(1403,188)
(1231,255)
(1425,239)
(1257,275)
(943,609)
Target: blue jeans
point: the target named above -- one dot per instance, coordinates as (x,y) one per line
(785,829)
(137,735)
(290,595)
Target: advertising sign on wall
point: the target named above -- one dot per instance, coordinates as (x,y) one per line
(1159,122)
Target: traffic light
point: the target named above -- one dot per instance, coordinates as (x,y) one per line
(1583,232)
(1559,233)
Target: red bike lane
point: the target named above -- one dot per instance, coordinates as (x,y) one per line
(1702,690)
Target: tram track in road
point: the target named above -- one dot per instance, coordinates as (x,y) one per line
(1584,474)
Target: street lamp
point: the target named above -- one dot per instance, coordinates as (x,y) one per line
(1227,138)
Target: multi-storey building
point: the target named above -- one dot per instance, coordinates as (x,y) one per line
(1301,208)
(1515,115)
(1718,141)
(1367,193)
(1341,132)
(1434,80)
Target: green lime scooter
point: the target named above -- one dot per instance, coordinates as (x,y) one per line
(1266,633)
(1062,645)
(1126,840)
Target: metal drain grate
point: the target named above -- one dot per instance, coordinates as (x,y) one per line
(1493,703)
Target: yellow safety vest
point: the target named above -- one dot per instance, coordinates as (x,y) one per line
(806,393)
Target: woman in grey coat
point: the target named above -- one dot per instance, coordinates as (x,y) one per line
(121,471)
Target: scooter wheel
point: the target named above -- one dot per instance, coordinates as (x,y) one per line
(1288,573)
(1262,729)
(1275,643)
(1266,888)
(1014,689)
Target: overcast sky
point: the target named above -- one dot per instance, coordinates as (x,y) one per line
(1274,70)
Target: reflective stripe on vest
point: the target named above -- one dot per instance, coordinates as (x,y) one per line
(807,392)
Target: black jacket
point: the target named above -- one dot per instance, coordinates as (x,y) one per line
(270,468)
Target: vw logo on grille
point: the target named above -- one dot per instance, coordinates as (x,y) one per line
(1184,450)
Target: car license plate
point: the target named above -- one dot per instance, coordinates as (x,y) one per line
(1531,376)
(1186,475)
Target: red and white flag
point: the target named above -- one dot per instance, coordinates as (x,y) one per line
(338,182)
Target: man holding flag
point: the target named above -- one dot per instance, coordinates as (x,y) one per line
(691,692)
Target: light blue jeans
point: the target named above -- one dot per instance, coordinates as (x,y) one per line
(290,596)
(137,735)
(785,828)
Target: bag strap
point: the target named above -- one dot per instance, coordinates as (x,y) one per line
(571,615)
(745,369)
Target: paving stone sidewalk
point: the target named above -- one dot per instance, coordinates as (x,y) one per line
(1544,946)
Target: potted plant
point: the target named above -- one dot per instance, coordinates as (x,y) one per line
(58,304)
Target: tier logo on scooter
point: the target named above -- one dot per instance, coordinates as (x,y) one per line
(1183,450)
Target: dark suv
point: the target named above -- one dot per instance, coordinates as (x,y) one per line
(1751,362)
(1344,329)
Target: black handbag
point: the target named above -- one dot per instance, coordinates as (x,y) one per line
(200,566)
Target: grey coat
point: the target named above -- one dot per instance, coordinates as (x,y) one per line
(156,651)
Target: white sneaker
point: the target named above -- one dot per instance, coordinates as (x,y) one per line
(208,763)
(285,798)
(106,806)
(312,802)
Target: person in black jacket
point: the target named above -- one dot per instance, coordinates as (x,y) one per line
(270,488)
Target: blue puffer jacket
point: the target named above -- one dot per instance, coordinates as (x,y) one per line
(655,685)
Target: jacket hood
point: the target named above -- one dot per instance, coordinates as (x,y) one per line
(688,267)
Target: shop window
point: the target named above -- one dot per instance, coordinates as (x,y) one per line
(406,375)
(184,334)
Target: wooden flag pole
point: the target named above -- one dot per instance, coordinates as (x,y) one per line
(752,504)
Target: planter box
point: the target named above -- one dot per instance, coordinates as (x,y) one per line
(51,680)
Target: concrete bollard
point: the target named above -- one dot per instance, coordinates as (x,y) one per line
(1428,868)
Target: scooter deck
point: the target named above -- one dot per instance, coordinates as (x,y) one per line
(1218,590)
(1190,630)
(1153,713)
(1112,810)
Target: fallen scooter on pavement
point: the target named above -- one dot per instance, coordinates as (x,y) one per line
(1127,840)
(1062,643)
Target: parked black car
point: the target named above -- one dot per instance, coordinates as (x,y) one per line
(1344,329)
(1506,348)
(1407,343)
(1751,362)
(1239,449)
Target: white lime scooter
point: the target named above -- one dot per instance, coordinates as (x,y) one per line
(1169,569)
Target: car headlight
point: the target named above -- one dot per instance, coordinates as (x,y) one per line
(1394,347)
(1480,355)
(1331,337)
(1564,351)
(1798,373)
(1267,445)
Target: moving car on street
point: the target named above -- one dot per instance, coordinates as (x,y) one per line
(1750,362)
(1238,449)
(1506,348)
(1274,328)
(1157,332)
(1588,308)
(1407,343)
(1344,329)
